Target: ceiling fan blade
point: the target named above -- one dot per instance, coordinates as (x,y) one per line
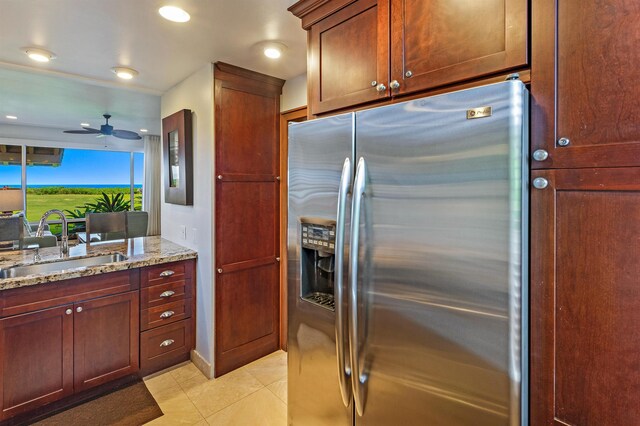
(82,132)
(92,129)
(126,134)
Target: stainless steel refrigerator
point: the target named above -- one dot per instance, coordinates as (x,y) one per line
(407,248)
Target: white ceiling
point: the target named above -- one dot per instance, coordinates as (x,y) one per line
(90,37)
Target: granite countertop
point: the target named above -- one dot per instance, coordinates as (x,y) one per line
(144,251)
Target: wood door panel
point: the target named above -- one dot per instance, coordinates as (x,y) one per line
(347,52)
(247,133)
(594,101)
(36,359)
(598,60)
(443,42)
(106,339)
(248,214)
(247,315)
(585,297)
(344,68)
(247,222)
(248,297)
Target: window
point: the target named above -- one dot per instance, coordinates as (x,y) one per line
(10,166)
(74,180)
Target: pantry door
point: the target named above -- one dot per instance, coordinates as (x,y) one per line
(247,208)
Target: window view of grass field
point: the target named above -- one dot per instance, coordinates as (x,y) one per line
(75,181)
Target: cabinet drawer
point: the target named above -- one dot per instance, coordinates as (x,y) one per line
(165,346)
(165,272)
(166,292)
(165,314)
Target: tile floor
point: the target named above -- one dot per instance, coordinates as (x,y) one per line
(255,394)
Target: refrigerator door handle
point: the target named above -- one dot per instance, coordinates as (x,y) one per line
(358,376)
(344,369)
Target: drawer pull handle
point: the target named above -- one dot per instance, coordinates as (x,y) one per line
(167,342)
(167,314)
(167,293)
(167,273)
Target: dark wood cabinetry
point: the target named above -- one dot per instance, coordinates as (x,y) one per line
(585,224)
(584,83)
(439,42)
(247,109)
(585,297)
(105,339)
(86,339)
(61,339)
(36,359)
(349,57)
(364,50)
(167,315)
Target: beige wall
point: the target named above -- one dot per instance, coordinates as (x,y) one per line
(294,93)
(196,93)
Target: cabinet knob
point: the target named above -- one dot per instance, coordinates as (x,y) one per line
(219,270)
(373,83)
(540,155)
(68,311)
(394,84)
(167,314)
(277,259)
(167,342)
(540,183)
(381,87)
(167,293)
(219,177)
(79,309)
(408,74)
(167,273)
(563,142)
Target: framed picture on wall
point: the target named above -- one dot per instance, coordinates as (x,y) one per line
(177,154)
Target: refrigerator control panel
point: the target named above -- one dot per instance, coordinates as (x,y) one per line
(318,237)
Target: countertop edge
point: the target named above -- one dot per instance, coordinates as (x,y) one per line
(133,262)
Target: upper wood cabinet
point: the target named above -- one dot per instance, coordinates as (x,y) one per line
(365,50)
(585,91)
(348,58)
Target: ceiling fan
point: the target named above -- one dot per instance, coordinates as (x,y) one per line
(106,130)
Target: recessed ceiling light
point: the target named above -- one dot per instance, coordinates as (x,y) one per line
(144,130)
(124,72)
(11,117)
(174,14)
(39,55)
(85,124)
(273,50)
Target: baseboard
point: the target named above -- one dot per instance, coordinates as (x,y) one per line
(205,367)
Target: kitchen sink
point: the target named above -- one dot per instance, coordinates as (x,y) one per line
(42,268)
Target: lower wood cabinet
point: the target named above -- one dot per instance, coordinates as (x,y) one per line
(63,338)
(167,319)
(36,359)
(585,297)
(105,339)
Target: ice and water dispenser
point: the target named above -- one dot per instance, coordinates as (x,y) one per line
(317,261)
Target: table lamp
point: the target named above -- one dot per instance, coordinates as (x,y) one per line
(10,201)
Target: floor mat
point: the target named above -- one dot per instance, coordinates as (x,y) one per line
(129,406)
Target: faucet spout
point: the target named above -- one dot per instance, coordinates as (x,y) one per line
(65,237)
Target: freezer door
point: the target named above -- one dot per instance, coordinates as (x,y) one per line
(439,293)
(317,152)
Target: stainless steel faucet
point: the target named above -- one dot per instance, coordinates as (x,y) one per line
(65,237)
